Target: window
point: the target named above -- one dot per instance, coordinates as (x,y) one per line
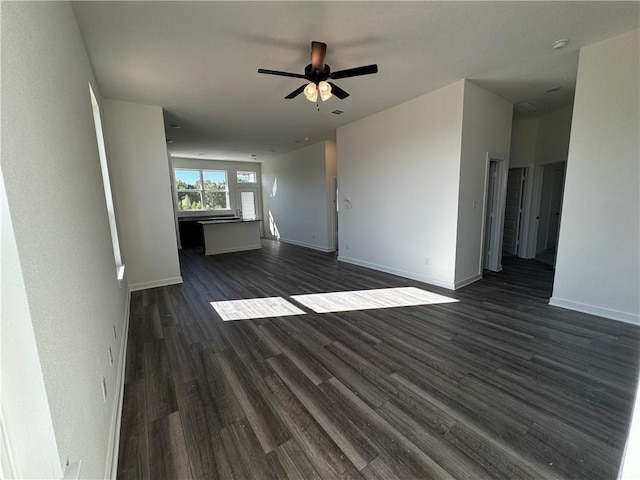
(106,183)
(246,177)
(201,189)
(248,205)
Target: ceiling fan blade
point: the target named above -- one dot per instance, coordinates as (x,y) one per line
(338,92)
(296,92)
(318,52)
(282,74)
(355,72)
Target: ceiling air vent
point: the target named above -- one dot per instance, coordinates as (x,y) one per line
(338,112)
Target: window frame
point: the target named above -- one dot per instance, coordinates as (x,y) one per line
(241,172)
(202,190)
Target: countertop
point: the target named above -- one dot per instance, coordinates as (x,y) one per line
(226,220)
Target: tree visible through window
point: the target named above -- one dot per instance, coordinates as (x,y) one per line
(201,189)
(246,177)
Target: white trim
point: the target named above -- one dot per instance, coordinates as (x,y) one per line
(156,283)
(468,281)
(7,463)
(533,192)
(306,245)
(106,181)
(233,249)
(111,468)
(632,318)
(502,172)
(400,273)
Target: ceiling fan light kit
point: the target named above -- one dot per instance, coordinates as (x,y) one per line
(311,92)
(318,74)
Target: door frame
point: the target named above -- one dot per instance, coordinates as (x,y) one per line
(499,201)
(531,211)
(256,197)
(522,180)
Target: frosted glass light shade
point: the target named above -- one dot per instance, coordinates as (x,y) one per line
(325,90)
(311,92)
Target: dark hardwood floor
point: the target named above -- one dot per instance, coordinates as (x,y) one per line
(497,385)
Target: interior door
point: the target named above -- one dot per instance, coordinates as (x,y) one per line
(513,210)
(247,202)
(557,186)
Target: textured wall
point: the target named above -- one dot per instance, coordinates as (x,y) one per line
(54,187)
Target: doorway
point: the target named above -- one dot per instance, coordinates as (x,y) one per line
(550,212)
(336,209)
(494,203)
(513,211)
(247,202)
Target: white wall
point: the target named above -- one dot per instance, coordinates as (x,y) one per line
(552,139)
(524,134)
(398,173)
(23,399)
(56,198)
(598,264)
(486,127)
(541,140)
(295,196)
(142,191)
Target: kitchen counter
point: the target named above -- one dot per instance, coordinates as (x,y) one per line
(225,220)
(226,235)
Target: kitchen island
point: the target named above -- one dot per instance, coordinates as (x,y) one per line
(230,235)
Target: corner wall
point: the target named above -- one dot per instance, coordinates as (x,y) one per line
(295,198)
(541,140)
(142,193)
(486,127)
(398,174)
(55,194)
(598,263)
(524,133)
(25,417)
(552,139)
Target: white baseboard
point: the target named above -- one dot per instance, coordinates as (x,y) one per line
(307,245)
(156,283)
(625,317)
(111,468)
(400,273)
(468,281)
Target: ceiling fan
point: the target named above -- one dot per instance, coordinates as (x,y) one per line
(319,76)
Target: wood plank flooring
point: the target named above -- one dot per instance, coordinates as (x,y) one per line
(497,385)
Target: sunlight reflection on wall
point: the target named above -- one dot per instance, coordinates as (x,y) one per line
(273,228)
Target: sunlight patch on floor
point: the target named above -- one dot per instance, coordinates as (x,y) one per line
(255,308)
(369,299)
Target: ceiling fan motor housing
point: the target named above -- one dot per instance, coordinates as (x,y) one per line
(317,76)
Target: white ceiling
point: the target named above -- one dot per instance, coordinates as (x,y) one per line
(199,60)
